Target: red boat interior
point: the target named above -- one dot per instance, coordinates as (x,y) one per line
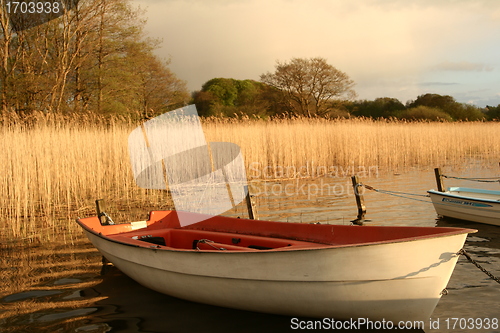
(210,241)
(218,233)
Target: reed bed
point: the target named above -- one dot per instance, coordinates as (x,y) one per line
(315,147)
(53,168)
(51,173)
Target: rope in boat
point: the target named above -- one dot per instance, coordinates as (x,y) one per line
(467,255)
(481,180)
(208,242)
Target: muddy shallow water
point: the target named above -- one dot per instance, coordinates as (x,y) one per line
(60,288)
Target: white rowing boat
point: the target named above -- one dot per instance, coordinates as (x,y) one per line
(469,204)
(326,271)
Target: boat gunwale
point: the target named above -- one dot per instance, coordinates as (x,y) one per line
(473,190)
(464,197)
(132,242)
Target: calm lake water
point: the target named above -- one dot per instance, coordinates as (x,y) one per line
(60,288)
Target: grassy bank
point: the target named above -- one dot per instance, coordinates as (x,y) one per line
(53,169)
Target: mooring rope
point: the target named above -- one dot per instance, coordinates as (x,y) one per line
(398,194)
(394,192)
(462,251)
(467,255)
(481,180)
(405,195)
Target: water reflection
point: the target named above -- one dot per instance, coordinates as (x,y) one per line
(58,288)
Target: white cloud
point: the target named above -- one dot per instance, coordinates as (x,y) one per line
(386,46)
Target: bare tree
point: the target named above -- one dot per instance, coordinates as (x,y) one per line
(93,57)
(8,56)
(309,85)
(154,78)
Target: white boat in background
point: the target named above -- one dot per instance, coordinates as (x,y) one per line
(469,204)
(310,270)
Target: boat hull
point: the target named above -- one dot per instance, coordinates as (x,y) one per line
(390,281)
(467,204)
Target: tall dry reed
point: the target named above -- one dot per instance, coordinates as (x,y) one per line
(52,171)
(54,168)
(346,144)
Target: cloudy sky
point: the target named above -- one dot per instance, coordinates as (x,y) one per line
(390,48)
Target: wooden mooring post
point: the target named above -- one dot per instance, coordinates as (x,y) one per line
(360,200)
(101,214)
(252,215)
(439,179)
(99,207)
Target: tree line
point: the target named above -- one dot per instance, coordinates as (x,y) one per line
(433,107)
(302,87)
(223,97)
(313,88)
(94,57)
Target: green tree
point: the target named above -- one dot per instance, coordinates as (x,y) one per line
(228,97)
(472,112)
(379,108)
(424,113)
(456,110)
(308,86)
(493,112)
(224,90)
